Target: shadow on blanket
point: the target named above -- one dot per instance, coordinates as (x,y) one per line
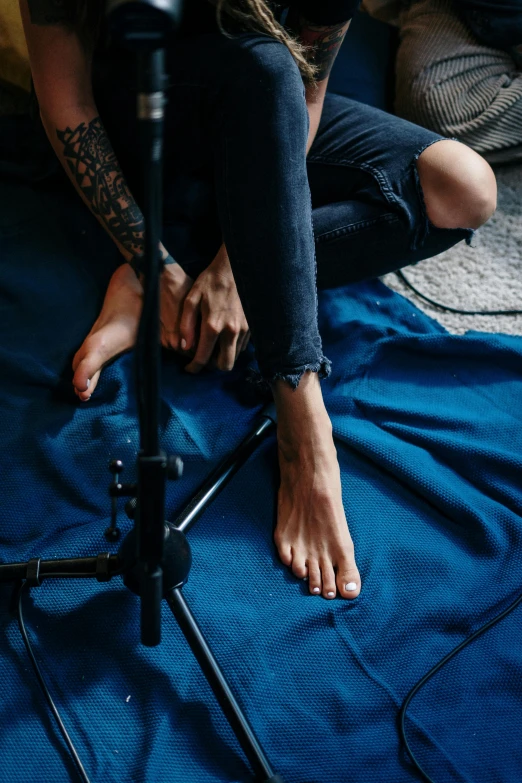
(429,439)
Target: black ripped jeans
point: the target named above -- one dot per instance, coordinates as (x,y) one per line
(237,171)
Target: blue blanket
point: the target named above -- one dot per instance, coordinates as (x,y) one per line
(428,432)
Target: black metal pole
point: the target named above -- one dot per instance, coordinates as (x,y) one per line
(224,472)
(215,678)
(141,557)
(103,568)
(150,112)
(152,463)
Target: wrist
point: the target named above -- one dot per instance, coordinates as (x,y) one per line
(137,263)
(221,262)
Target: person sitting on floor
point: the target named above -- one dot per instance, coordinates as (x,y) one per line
(277,188)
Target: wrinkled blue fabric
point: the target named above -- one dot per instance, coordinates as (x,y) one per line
(428,433)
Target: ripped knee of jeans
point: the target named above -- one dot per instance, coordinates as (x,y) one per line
(424,226)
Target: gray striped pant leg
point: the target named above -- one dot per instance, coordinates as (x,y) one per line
(449,82)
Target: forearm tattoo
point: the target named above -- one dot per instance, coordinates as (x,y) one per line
(49,12)
(94,168)
(323,41)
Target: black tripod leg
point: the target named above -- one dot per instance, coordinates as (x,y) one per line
(225,471)
(216,680)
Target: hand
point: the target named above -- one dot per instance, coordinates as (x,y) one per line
(224,330)
(174,287)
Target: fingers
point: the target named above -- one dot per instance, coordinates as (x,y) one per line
(242,343)
(227,351)
(175,286)
(231,343)
(207,341)
(239,345)
(189,320)
(223,332)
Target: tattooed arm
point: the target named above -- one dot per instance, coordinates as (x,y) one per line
(93,168)
(61,71)
(324,42)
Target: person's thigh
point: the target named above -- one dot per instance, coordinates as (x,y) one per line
(369,214)
(365,153)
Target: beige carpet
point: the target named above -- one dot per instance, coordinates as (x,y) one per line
(486,276)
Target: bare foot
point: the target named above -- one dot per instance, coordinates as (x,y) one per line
(312,535)
(114,332)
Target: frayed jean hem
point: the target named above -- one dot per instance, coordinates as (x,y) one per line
(262,381)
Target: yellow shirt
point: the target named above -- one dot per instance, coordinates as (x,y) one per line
(14,59)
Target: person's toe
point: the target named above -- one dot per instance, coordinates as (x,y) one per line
(92,384)
(87,373)
(285,553)
(314,577)
(299,566)
(328,575)
(348,579)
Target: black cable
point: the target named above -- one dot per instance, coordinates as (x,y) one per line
(39,676)
(435,669)
(400,274)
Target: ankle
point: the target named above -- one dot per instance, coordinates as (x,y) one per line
(306,399)
(306,455)
(304,429)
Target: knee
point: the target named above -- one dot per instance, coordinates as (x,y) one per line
(459,186)
(265,92)
(266,65)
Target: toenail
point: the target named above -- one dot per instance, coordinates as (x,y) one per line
(330,594)
(351,586)
(316,590)
(87,398)
(88,382)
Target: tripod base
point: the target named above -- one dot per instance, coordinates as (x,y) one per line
(175,566)
(176,562)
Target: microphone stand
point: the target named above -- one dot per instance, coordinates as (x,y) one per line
(154,559)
